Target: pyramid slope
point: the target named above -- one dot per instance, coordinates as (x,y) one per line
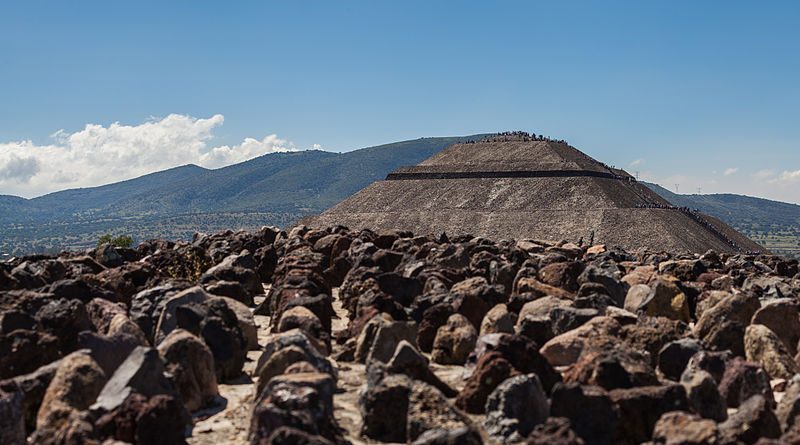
(513,188)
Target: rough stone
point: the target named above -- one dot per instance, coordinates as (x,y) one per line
(108,351)
(616,288)
(761,345)
(498,320)
(454,341)
(722,325)
(682,428)
(428,409)
(617,367)
(12,413)
(598,333)
(380,337)
(783,318)
(554,431)
(145,420)
(23,351)
(34,386)
(303,401)
(191,364)
(64,319)
(520,351)
(666,299)
(535,327)
(675,355)
(743,380)
(514,408)
(302,318)
(491,370)
(101,312)
(789,407)
(640,409)
(753,420)
(444,436)
(384,409)
(122,325)
(75,386)
(564,319)
(703,395)
(407,360)
(142,372)
(591,412)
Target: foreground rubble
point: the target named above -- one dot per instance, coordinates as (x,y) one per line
(334,336)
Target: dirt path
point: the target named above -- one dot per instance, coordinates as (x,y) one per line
(231,424)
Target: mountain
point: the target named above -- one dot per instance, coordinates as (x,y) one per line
(774,224)
(69,204)
(274,189)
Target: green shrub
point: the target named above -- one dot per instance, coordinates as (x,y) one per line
(119,241)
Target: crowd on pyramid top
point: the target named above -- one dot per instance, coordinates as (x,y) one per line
(524,136)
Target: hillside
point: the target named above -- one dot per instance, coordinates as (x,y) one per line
(774,224)
(273,189)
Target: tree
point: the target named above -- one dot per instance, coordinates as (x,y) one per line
(119,241)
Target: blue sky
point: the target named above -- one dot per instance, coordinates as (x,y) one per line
(683,92)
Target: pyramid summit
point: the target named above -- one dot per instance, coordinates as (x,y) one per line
(517,185)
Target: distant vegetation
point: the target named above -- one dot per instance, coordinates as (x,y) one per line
(773,224)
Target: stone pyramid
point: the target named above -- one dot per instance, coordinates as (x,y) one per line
(518,186)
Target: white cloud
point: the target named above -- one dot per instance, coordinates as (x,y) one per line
(787,176)
(730,171)
(99,155)
(763,174)
(636,162)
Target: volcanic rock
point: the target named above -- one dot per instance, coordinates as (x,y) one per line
(191,365)
(753,420)
(703,395)
(380,337)
(491,370)
(640,409)
(783,318)
(682,428)
(142,372)
(591,412)
(76,384)
(498,320)
(454,341)
(23,351)
(666,299)
(743,380)
(12,413)
(407,360)
(675,355)
(761,345)
(428,409)
(515,407)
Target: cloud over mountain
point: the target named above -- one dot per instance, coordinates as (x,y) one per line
(98,155)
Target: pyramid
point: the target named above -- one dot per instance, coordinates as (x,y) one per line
(518,186)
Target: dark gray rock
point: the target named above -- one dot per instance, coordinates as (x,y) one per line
(12,413)
(593,415)
(565,319)
(703,395)
(407,360)
(674,356)
(753,420)
(514,408)
(142,372)
(617,289)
